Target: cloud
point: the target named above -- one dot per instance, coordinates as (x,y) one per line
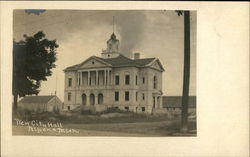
(35,11)
(131,27)
(82,33)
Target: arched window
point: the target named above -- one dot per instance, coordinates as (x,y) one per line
(100,98)
(84,99)
(155,82)
(92,99)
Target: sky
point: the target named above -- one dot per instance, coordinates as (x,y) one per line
(83,33)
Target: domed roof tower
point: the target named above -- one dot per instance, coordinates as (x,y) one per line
(112,49)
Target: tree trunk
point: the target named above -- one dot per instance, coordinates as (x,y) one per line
(15,104)
(185,92)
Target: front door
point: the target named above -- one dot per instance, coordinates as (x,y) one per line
(92,99)
(84,99)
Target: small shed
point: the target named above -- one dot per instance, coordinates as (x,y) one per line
(43,103)
(175,102)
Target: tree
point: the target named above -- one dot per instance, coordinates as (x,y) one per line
(33,59)
(186,73)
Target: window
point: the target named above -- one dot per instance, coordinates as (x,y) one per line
(143,96)
(143,109)
(126,108)
(126,79)
(70,82)
(155,82)
(69,96)
(143,80)
(136,96)
(93,62)
(126,96)
(116,96)
(136,78)
(117,79)
(68,107)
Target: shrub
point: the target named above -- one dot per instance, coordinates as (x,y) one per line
(86,112)
(23,114)
(92,111)
(114,110)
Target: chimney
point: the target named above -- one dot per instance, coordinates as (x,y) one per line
(136,55)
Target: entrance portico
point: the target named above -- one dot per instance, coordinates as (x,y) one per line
(92,99)
(94,77)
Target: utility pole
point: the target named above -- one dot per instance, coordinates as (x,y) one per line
(186,75)
(113,24)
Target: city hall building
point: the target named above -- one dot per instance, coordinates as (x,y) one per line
(114,80)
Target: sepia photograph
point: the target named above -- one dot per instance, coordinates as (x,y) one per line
(135,78)
(104,73)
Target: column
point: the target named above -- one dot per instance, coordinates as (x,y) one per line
(96,99)
(105,77)
(160,101)
(88,78)
(78,77)
(111,78)
(96,77)
(108,78)
(155,101)
(87,99)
